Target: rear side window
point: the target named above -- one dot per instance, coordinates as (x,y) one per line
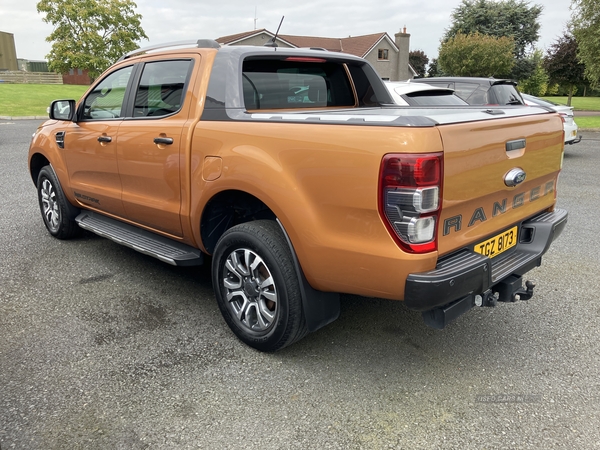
(161,89)
(295,83)
(506,94)
(472,93)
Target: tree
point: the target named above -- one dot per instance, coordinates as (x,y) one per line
(537,83)
(586,28)
(434,69)
(562,64)
(90,34)
(508,18)
(476,55)
(418,60)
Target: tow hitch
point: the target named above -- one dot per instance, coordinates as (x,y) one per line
(509,290)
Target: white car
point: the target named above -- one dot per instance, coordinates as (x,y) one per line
(566,113)
(421,94)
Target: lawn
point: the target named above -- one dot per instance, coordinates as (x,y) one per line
(588,122)
(33,99)
(580,103)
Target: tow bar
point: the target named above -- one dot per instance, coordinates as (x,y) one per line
(509,290)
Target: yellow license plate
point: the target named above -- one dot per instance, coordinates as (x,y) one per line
(498,244)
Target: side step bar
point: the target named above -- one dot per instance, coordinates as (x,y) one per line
(151,244)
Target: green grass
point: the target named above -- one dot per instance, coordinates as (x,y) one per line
(580,103)
(17,100)
(588,122)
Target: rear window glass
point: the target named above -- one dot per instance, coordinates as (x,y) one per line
(295,83)
(472,93)
(433,98)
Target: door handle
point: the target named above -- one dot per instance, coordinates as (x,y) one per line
(163,140)
(104,139)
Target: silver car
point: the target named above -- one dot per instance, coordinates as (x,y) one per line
(566,112)
(421,94)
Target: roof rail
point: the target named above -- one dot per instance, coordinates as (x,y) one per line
(199,43)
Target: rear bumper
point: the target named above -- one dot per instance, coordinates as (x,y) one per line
(571,133)
(466,274)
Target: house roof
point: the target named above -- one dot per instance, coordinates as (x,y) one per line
(355,45)
(234,38)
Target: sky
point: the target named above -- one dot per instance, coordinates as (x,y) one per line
(177,20)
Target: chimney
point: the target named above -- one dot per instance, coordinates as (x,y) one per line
(402,40)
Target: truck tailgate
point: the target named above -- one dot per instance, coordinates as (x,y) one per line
(478,203)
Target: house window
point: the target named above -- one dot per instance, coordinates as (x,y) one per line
(382,54)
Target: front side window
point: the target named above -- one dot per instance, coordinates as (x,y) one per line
(161,89)
(106,99)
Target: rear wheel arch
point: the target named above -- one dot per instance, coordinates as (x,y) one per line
(231,208)
(257,287)
(228,209)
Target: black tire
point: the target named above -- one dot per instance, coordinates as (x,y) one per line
(57,212)
(256,286)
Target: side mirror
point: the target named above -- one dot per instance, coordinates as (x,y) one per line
(62,110)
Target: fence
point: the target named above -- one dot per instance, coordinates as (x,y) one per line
(20,77)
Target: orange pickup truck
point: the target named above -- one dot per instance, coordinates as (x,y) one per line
(296,173)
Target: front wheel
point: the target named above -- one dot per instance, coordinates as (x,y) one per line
(55,209)
(256,286)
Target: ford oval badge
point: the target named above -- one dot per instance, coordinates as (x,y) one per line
(514,177)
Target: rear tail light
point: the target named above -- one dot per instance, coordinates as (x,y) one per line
(409,199)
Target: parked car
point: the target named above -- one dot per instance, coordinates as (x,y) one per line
(566,112)
(411,94)
(479,91)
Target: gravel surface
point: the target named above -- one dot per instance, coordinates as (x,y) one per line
(105,348)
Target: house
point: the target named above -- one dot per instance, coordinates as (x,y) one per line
(389,57)
(77,76)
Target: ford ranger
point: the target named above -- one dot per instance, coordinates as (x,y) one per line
(293,172)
